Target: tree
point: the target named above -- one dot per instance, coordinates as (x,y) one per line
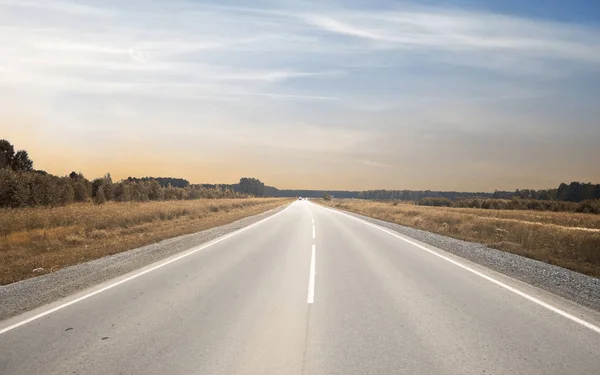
(82,189)
(100,198)
(7,153)
(252,186)
(9,182)
(21,162)
(326,196)
(18,161)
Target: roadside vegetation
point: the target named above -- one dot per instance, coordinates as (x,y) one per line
(590,206)
(50,222)
(23,186)
(570,240)
(46,239)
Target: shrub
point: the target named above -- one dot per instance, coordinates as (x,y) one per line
(529,204)
(100,198)
(437,202)
(589,207)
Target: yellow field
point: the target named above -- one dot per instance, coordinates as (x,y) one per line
(53,238)
(565,239)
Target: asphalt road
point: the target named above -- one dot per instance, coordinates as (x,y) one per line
(250,303)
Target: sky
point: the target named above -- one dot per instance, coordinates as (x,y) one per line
(443,95)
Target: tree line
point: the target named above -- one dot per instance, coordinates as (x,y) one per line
(162,181)
(23,186)
(35,188)
(249,186)
(316,193)
(573,192)
(415,195)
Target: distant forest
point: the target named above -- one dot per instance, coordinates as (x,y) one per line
(573,192)
(23,186)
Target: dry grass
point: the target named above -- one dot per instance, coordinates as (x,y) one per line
(564,239)
(53,238)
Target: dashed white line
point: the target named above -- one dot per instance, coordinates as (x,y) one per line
(311,278)
(516,291)
(314,233)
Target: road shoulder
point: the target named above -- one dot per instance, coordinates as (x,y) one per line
(29,294)
(570,285)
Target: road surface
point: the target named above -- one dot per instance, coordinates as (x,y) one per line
(306,291)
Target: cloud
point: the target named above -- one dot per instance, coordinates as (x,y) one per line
(138,49)
(463,31)
(52,5)
(333,25)
(268,76)
(335,90)
(288,96)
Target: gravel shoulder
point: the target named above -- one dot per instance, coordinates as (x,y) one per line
(571,285)
(28,294)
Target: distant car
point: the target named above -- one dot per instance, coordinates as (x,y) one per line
(299,198)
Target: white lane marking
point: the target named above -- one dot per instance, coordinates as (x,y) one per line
(491,279)
(135,276)
(311,278)
(314,234)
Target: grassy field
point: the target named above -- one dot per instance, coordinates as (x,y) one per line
(53,238)
(564,239)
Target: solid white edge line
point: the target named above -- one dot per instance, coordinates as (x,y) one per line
(135,276)
(311,278)
(491,279)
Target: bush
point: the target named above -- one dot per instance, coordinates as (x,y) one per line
(589,207)
(436,202)
(528,204)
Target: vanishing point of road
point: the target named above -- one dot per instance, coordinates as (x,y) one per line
(308,290)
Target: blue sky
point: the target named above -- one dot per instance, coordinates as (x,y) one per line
(463,95)
(579,11)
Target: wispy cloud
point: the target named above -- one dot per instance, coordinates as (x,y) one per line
(55,5)
(363,88)
(449,30)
